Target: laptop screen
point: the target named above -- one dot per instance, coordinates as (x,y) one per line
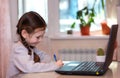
(110,46)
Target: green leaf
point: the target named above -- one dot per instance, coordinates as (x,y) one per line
(87,12)
(85,8)
(82,21)
(73,25)
(103,5)
(79,14)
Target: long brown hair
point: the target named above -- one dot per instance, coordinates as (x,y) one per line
(29,22)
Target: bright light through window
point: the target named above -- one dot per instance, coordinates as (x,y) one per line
(39,6)
(68,9)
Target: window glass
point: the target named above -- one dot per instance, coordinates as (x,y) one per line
(39,6)
(68,9)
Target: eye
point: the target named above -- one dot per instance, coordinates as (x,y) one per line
(38,37)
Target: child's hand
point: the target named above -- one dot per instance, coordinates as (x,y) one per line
(59,63)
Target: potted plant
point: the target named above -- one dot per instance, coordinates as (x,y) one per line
(100,57)
(86,17)
(70,31)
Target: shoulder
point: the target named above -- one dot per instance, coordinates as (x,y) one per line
(36,50)
(19,48)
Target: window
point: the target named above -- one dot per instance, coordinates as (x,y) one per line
(39,6)
(59,14)
(68,9)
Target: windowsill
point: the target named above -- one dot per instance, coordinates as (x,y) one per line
(76,35)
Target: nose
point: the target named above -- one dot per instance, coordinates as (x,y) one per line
(40,39)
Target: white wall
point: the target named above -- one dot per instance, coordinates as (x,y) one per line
(79,43)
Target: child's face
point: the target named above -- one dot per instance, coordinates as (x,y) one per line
(34,38)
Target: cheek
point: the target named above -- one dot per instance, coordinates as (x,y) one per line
(33,40)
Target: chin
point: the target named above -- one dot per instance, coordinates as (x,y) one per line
(33,45)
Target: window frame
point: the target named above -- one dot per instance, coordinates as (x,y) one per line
(53,19)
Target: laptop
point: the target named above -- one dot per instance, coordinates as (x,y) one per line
(89,67)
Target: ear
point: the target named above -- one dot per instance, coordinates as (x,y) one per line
(24,33)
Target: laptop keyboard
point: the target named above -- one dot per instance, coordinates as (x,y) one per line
(88,66)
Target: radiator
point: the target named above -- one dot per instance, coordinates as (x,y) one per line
(77,54)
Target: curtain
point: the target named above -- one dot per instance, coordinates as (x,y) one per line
(5,36)
(111,11)
(118,37)
(112,18)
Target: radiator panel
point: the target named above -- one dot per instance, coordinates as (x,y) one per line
(78,54)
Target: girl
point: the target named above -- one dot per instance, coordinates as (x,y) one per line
(26,58)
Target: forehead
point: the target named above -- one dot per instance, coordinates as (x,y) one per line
(39,31)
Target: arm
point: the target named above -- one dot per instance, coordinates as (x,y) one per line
(25,64)
(44,57)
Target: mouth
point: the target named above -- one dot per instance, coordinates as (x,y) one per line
(34,44)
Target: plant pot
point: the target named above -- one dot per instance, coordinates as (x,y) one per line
(85,30)
(100,58)
(105,28)
(70,32)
